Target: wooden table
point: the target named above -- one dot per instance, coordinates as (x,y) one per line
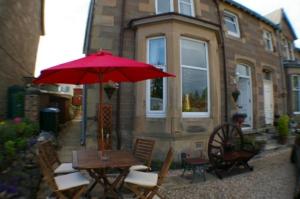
(92,161)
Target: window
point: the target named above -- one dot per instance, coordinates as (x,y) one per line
(296,93)
(195,78)
(164,6)
(186,7)
(288,49)
(267,37)
(231,23)
(156,89)
(291,51)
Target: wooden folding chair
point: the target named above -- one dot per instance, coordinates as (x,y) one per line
(142,150)
(68,186)
(146,185)
(47,151)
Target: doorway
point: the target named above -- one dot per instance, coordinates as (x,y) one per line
(244,101)
(268,98)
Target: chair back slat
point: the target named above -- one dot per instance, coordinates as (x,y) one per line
(47,172)
(165,168)
(143,150)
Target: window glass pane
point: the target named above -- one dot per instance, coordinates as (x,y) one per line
(242,70)
(156,95)
(186,9)
(194,90)
(193,53)
(295,82)
(296,101)
(157,51)
(230,24)
(163,6)
(267,76)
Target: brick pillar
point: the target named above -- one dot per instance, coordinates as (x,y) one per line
(32,106)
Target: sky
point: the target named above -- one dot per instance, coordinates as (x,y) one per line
(65,23)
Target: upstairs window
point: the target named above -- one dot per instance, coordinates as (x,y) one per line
(231,23)
(288,49)
(164,6)
(186,7)
(268,41)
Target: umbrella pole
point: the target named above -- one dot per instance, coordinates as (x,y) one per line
(101,143)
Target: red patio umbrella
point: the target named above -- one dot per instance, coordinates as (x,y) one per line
(100,67)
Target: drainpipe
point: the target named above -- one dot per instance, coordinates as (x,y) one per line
(224,60)
(120,49)
(86,47)
(284,78)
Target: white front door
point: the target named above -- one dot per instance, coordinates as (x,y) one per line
(245,98)
(268,101)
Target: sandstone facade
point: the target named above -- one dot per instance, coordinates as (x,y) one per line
(21,24)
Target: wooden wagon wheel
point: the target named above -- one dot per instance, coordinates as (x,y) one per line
(225,138)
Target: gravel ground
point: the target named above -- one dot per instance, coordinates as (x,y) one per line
(273,177)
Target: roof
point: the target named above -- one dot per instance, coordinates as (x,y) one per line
(292,64)
(277,16)
(253,13)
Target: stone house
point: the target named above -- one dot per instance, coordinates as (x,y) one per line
(20,30)
(213,47)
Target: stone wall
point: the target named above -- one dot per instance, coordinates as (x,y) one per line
(20,29)
(249,49)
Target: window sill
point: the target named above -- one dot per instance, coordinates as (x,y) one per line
(194,115)
(155,115)
(233,35)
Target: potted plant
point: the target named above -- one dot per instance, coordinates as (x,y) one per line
(109,89)
(283,129)
(235,94)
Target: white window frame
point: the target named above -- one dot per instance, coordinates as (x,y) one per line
(190,4)
(152,113)
(236,22)
(294,89)
(195,114)
(171,6)
(267,35)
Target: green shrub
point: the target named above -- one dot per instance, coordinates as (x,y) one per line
(283,126)
(21,144)
(10,148)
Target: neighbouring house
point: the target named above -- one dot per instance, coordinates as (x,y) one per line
(22,24)
(214,48)
(291,65)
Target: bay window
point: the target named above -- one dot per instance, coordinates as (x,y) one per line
(296,93)
(195,78)
(156,89)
